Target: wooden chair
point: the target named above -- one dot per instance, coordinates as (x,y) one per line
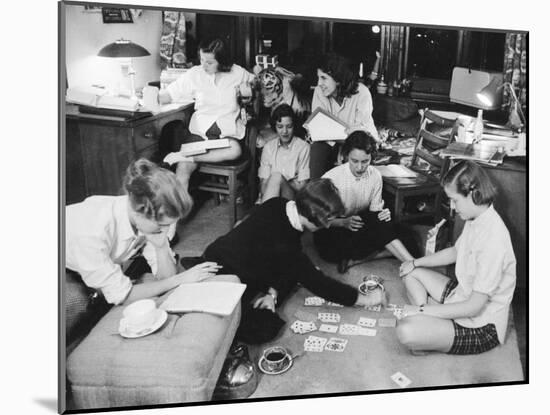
(226,178)
(429,169)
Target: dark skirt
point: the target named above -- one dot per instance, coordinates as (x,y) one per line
(336,244)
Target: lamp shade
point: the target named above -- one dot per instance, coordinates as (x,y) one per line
(491,94)
(467,83)
(123,49)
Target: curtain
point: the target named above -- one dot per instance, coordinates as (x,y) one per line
(392,49)
(515,68)
(172,40)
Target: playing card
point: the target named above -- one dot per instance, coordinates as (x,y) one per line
(302,327)
(402,380)
(398,313)
(314,344)
(386,322)
(305,316)
(391,307)
(366,322)
(314,301)
(331,304)
(349,329)
(365,331)
(328,328)
(329,317)
(336,344)
(376,308)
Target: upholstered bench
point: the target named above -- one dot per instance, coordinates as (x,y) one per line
(181,362)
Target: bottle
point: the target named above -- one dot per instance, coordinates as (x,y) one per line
(478,127)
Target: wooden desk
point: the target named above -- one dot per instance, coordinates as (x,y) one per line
(99,148)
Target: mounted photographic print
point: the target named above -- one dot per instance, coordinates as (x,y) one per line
(277,260)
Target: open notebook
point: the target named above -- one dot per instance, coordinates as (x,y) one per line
(215,297)
(323,126)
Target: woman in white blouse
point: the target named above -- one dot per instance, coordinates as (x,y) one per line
(366,226)
(213,86)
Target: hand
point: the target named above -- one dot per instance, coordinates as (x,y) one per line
(406,268)
(384,215)
(353,223)
(177,157)
(199,272)
(410,310)
(371,299)
(267,301)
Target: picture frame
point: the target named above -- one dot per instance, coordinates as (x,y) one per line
(116,15)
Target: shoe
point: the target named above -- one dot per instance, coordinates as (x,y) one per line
(343,266)
(190,261)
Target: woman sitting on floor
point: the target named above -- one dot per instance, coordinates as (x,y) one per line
(104,233)
(265,252)
(284,166)
(470,314)
(365,226)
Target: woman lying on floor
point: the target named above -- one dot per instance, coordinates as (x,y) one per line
(265,251)
(105,233)
(365,228)
(470,314)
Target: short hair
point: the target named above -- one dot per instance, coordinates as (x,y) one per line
(220,51)
(360,140)
(155,192)
(319,201)
(283,110)
(468,177)
(340,69)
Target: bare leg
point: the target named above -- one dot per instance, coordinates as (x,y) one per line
(423,282)
(399,251)
(426,333)
(220,154)
(184,171)
(272,186)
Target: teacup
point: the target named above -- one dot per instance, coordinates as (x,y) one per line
(369,285)
(140,315)
(275,358)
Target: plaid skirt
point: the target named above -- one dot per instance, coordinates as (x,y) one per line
(469,340)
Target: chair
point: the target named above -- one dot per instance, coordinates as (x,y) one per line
(225,177)
(412,197)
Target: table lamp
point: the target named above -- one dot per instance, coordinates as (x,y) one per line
(491,95)
(123,48)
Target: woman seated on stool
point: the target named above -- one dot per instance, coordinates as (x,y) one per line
(468,315)
(265,252)
(365,226)
(214,87)
(339,93)
(104,233)
(284,166)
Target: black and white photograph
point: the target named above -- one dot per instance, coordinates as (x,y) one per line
(275,208)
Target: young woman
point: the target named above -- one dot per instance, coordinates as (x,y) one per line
(284,166)
(366,226)
(339,93)
(213,87)
(470,314)
(265,251)
(104,233)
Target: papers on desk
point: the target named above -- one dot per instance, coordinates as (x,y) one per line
(396,170)
(215,297)
(323,126)
(98,97)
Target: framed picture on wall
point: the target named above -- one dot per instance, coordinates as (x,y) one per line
(112,15)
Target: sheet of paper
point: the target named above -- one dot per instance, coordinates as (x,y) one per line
(395,170)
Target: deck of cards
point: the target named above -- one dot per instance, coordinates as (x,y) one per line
(302,327)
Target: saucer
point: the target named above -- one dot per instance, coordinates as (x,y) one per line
(263,367)
(130,334)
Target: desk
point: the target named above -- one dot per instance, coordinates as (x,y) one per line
(99,148)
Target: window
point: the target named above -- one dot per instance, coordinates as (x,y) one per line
(432,53)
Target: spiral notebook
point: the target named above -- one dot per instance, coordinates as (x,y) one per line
(215,297)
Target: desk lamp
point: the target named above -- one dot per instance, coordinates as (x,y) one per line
(491,95)
(123,48)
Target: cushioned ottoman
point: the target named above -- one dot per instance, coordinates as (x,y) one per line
(181,362)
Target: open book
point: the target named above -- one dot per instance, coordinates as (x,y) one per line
(323,126)
(215,297)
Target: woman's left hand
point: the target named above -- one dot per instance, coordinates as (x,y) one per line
(267,301)
(410,310)
(384,215)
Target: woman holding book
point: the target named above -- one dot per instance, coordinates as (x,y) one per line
(214,86)
(339,93)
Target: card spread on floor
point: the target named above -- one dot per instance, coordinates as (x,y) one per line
(314,344)
(386,322)
(305,316)
(366,322)
(302,327)
(329,317)
(398,313)
(391,307)
(402,380)
(328,328)
(336,344)
(365,331)
(331,304)
(314,301)
(376,308)
(349,329)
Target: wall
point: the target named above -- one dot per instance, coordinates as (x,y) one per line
(86,34)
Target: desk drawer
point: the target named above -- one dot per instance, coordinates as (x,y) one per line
(146,136)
